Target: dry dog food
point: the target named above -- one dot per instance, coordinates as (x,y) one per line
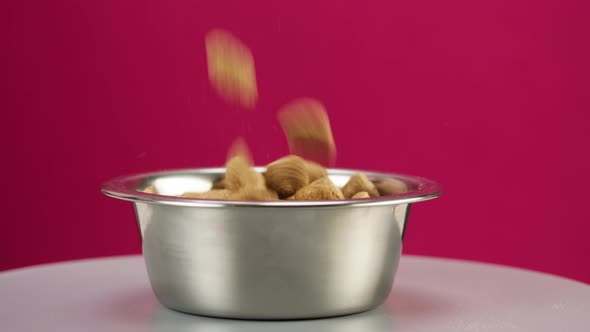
(305,122)
(307,127)
(231,68)
(289,178)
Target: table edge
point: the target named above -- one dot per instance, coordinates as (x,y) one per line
(25,269)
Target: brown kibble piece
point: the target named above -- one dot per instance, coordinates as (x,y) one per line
(287,175)
(320,190)
(307,127)
(361,194)
(151,189)
(391,186)
(239,174)
(259,180)
(359,182)
(315,171)
(236,168)
(239,147)
(231,69)
(211,194)
(318,193)
(241,179)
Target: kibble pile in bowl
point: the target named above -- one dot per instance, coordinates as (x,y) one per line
(290,178)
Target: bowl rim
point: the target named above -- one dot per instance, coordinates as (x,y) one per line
(123,187)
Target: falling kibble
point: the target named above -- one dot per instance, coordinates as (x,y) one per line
(231,68)
(239,147)
(315,170)
(299,176)
(239,172)
(307,127)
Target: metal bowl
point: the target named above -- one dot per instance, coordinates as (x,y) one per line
(272,259)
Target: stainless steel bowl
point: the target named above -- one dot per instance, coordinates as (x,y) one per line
(268,260)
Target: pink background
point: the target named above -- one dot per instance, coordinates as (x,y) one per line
(490,98)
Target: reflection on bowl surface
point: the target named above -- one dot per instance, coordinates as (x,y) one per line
(376,320)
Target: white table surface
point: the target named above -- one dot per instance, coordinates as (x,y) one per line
(429,294)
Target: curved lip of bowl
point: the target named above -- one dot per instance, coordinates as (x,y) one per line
(124,188)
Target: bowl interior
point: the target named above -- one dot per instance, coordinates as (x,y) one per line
(175,184)
(170,184)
